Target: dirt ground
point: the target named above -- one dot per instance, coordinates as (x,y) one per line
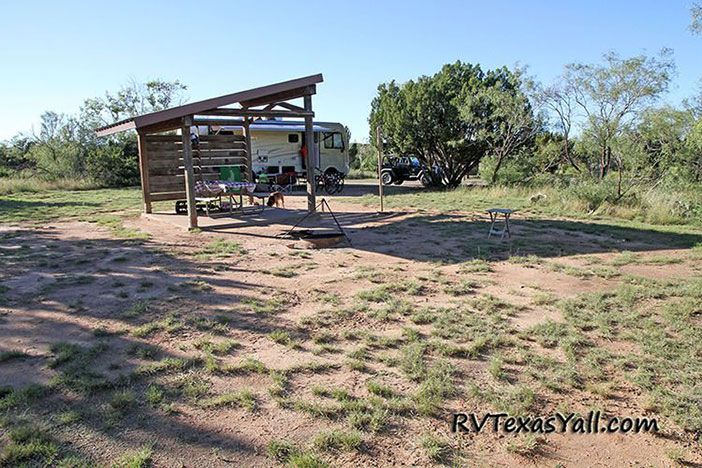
(301,323)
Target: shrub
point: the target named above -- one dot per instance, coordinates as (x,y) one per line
(115,164)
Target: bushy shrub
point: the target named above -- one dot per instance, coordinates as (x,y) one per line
(115,164)
(511,172)
(594,193)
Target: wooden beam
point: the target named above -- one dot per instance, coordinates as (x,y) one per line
(219,122)
(249,156)
(311,158)
(282,96)
(291,107)
(256,113)
(116,128)
(189,174)
(144,171)
(162,126)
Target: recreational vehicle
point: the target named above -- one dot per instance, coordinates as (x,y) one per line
(277,145)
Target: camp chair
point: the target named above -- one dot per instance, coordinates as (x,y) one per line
(232,174)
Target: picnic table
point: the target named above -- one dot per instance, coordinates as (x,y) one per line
(211,191)
(495,215)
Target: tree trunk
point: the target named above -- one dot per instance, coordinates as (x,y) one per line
(493,179)
(567,154)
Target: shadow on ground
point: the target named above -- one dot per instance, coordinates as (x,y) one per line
(456,238)
(72,305)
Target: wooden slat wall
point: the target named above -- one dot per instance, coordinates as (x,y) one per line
(165,161)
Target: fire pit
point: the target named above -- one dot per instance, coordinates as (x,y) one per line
(310,239)
(319,237)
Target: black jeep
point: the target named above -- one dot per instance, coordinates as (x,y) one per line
(396,170)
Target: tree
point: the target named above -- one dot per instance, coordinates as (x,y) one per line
(612,96)
(664,132)
(693,144)
(439,119)
(131,100)
(557,100)
(696,18)
(504,116)
(113,161)
(66,146)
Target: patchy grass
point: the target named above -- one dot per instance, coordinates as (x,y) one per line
(140,458)
(170,324)
(30,446)
(376,388)
(12,354)
(240,399)
(516,400)
(281,450)
(337,441)
(306,460)
(284,338)
(435,448)
(218,348)
(247,366)
(287,271)
(271,305)
(220,248)
(477,265)
(463,288)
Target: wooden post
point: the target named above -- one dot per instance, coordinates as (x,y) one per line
(379,143)
(249,156)
(311,157)
(189,173)
(144,170)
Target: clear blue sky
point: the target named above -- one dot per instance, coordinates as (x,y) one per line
(55,54)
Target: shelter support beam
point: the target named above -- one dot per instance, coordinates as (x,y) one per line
(311,156)
(249,155)
(144,169)
(189,173)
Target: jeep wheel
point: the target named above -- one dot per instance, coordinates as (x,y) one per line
(386,178)
(425,180)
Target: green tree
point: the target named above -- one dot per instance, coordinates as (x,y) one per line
(664,132)
(440,120)
(558,102)
(56,151)
(693,147)
(66,146)
(503,116)
(612,96)
(131,100)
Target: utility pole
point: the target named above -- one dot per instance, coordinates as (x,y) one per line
(379,144)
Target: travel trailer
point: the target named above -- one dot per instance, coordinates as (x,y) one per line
(276,145)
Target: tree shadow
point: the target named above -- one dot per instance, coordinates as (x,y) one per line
(456,238)
(87,297)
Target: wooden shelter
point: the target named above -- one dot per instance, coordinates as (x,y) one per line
(166,160)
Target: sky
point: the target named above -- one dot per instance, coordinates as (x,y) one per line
(56,54)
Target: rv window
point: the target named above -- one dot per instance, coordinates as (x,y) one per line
(293,138)
(333,140)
